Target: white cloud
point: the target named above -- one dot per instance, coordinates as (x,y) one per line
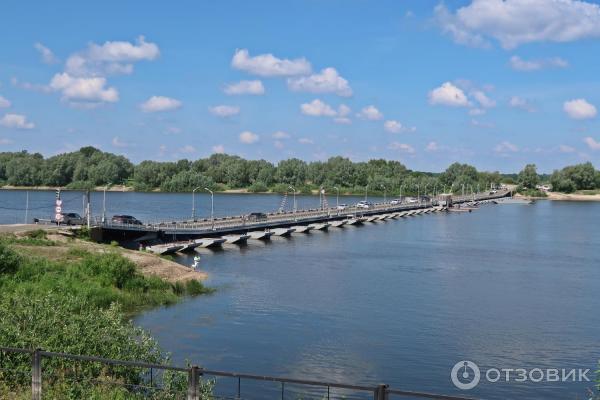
(392,126)
(476,111)
(448,95)
(579,109)
(592,144)
(342,120)
(224,111)
(519,64)
(111,58)
(117,142)
(370,113)
(160,103)
(483,99)
(432,146)
(516,22)
(563,148)
(249,137)
(305,141)
(4,141)
(343,110)
(327,81)
(17,121)
(318,108)
(521,103)
(281,135)
(219,149)
(187,149)
(403,147)
(269,65)
(83,89)
(48,56)
(4,103)
(278,144)
(506,147)
(245,87)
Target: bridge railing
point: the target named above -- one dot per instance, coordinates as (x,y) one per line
(159,381)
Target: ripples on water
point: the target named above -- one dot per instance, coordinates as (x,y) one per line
(398,302)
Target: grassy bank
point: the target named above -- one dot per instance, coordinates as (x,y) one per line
(77,302)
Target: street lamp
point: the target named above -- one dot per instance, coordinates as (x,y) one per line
(194,203)
(384,193)
(212,207)
(337,197)
(104,204)
(294,190)
(366,191)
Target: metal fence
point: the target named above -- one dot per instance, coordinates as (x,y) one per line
(196,383)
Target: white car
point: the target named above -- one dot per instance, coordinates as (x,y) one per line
(342,206)
(363,204)
(395,202)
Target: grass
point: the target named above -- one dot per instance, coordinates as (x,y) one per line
(588,192)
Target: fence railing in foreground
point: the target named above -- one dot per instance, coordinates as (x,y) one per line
(195,374)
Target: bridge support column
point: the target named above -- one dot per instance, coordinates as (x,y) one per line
(193,391)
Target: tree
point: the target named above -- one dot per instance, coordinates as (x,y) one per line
(528,177)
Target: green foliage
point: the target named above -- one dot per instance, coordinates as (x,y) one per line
(258,187)
(531,192)
(575,177)
(9,260)
(528,177)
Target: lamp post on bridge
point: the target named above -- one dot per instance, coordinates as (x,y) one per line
(104,203)
(294,190)
(212,207)
(194,203)
(337,197)
(384,193)
(366,192)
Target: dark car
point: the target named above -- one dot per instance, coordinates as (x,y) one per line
(256,216)
(125,219)
(71,219)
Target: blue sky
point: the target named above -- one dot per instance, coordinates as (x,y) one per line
(491,83)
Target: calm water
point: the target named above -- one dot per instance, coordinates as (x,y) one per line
(397,302)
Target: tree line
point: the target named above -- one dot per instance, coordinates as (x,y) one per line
(89,167)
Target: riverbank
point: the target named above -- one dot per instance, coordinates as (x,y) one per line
(563,197)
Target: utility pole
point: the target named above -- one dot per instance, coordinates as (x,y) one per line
(27,207)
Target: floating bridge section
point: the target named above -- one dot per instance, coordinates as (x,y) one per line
(187,235)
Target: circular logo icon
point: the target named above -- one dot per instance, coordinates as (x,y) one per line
(465,375)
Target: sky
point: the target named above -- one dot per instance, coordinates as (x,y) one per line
(497,84)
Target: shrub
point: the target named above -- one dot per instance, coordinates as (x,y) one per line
(9,260)
(258,187)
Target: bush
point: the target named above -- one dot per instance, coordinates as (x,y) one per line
(258,187)
(9,260)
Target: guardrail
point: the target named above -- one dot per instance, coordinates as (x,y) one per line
(150,383)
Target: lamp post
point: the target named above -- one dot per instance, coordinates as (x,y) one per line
(212,207)
(384,193)
(104,204)
(366,191)
(294,190)
(419,194)
(194,203)
(337,197)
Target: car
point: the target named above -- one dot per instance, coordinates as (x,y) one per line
(494,191)
(256,216)
(395,202)
(364,204)
(342,206)
(126,220)
(71,219)
(412,200)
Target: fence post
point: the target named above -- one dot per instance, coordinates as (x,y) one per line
(36,375)
(193,392)
(381,392)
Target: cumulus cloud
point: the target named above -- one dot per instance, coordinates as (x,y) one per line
(327,81)
(579,109)
(248,137)
(219,149)
(519,64)
(317,108)
(392,126)
(117,142)
(402,147)
(342,120)
(370,113)
(305,141)
(483,99)
(592,144)
(111,58)
(563,148)
(448,95)
(17,121)
(4,103)
(224,111)
(47,55)
(187,149)
(281,135)
(160,103)
(506,147)
(4,141)
(245,87)
(520,103)
(92,89)
(516,22)
(432,146)
(268,65)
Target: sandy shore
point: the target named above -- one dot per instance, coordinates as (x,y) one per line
(573,197)
(113,188)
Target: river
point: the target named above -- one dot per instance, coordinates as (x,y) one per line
(400,302)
